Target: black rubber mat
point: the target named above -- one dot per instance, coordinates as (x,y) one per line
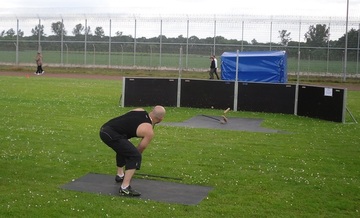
(162,191)
(213,122)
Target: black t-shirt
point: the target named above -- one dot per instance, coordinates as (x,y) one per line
(128,123)
(212,64)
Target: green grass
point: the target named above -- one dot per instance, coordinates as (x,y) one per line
(50,136)
(149,60)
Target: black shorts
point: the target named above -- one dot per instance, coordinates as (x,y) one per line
(126,153)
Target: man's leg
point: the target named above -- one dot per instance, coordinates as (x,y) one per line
(127,156)
(211,73)
(120,163)
(111,139)
(215,71)
(38,69)
(120,171)
(128,176)
(132,159)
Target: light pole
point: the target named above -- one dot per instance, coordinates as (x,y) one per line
(346,40)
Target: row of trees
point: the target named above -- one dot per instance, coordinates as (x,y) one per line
(316,38)
(58,29)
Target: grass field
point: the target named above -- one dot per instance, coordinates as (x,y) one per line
(152,60)
(50,136)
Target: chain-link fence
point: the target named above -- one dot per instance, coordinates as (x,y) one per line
(313,44)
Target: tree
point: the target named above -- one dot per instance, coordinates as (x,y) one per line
(58,28)
(10,32)
(119,33)
(78,29)
(38,29)
(99,32)
(220,39)
(352,39)
(317,36)
(20,33)
(254,42)
(193,39)
(284,37)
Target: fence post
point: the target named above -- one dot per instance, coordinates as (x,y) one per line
(110,45)
(62,42)
(85,49)
(135,43)
(346,40)
(17,42)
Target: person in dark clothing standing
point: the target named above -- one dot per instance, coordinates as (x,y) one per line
(116,134)
(213,66)
(39,63)
(216,67)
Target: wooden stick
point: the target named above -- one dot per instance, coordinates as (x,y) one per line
(227,110)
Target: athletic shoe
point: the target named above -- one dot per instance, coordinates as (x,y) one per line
(119,178)
(42,72)
(128,191)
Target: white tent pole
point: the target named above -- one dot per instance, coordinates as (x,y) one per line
(236,82)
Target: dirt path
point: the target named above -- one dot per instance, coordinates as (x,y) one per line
(62,75)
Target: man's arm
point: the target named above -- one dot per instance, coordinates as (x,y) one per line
(144,131)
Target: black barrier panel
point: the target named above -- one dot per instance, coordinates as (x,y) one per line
(320,102)
(207,94)
(266,97)
(316,102)
(150,92)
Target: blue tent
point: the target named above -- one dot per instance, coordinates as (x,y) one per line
(257,66)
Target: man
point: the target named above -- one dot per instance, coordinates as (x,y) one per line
(39,63)
(213,66)
(116,134)
(216,67)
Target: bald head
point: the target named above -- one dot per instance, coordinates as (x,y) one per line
(159,112)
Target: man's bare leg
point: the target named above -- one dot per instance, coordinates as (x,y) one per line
(120,171)
(128,175)
(125,188)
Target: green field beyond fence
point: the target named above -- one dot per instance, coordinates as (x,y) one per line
(50,137)
(153,60)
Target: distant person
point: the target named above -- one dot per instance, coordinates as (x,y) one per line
(39,63)
(213,68)
(116,134)
(216,67)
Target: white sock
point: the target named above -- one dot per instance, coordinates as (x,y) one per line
(122,175)
(124,187)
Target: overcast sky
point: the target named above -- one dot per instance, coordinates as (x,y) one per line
(324,8)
